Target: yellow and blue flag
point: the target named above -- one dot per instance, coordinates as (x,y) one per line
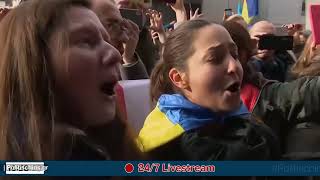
(250,9)
(175,115)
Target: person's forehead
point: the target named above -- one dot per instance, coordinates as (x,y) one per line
(80,13)
(78,17)
(212,35)
(264,28)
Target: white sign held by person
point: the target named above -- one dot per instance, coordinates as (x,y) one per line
(133,97)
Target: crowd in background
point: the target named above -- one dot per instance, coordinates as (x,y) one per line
(217,95)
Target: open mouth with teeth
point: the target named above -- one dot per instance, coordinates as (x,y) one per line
(235,87)
(108,88)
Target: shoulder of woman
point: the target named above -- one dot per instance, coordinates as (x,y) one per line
(84,149)
(74,144)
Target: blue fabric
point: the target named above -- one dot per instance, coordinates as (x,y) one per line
(190,116)
(253,7)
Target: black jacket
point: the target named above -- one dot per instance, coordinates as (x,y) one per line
(292,111)
(240,139)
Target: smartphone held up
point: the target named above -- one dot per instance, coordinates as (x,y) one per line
(228,12)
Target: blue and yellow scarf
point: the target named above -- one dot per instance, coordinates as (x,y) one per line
(173,116)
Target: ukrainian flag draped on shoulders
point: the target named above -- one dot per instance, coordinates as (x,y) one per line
(250,9)
(175,115)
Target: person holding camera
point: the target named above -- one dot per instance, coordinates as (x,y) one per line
(125,36)
(271,63)
(145,48)
(290,109)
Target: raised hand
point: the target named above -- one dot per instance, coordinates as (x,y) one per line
(180,11)
(195,15)
(156,26)
(293,28)
(132,31)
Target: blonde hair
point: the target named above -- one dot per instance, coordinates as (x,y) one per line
(307,65)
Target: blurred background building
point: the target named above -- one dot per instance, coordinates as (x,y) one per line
(278,12)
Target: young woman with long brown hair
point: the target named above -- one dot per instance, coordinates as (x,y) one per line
(57,74)
(308,63)
(199,113)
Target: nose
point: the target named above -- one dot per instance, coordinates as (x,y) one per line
(110,55)
(233,66)
(123,37)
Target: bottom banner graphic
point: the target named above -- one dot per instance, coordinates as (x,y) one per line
(162,168)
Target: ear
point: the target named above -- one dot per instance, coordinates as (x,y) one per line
(178,78)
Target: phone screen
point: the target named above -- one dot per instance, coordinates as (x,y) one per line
(276,42)
(134,15)
(228,12)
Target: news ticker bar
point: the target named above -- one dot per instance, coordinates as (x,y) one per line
(162,168)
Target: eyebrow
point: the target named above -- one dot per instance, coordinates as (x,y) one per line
(215,46)
(90,29)
(219,47)
(81,28)
(213,49)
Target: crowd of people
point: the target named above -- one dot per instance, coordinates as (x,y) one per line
(217,95)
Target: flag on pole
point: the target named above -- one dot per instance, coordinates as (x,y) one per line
(250,9)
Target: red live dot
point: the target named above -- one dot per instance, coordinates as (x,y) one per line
(129,168)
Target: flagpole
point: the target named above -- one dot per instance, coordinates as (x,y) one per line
(228,4)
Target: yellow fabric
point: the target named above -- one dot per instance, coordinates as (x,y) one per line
(157,130)
(245,12)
